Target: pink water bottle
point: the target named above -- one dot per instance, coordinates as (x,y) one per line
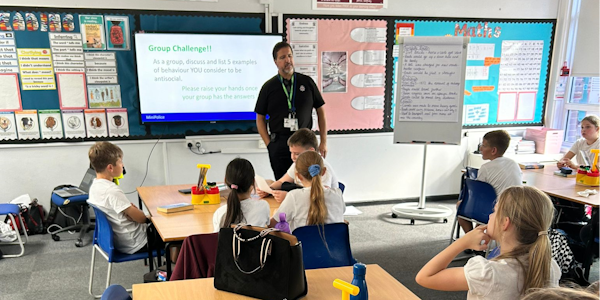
(283,225)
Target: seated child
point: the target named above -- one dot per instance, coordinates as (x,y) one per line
(501,172)
(313,204)
(127,221)
(588,141)
(240,208)
(301,141)
(519,223)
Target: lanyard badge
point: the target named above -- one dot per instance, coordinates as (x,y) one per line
(291,121)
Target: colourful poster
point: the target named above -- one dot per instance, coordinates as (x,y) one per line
(27,124)
(92,30)
(36,69)
(118,123)
(117,32)
(73,123)
(95,122)
(104,96)
(50,124)
(8,128)
(347,59)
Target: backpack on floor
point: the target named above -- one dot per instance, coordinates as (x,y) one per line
(36,221)
(23,216)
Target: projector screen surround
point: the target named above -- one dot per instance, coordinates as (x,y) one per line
(202,77)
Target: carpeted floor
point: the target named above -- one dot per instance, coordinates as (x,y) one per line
(59,270)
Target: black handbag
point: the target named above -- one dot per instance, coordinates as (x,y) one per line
(261,263)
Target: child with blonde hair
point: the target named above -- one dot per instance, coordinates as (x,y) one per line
(314,204)
(519,223)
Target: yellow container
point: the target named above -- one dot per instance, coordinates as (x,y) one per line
(210,196)
(587,179)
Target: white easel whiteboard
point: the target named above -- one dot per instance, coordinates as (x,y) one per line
(430,89)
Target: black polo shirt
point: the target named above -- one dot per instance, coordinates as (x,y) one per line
(272,101)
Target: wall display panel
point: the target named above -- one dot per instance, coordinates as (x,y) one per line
(48,28)
(347,60)
(507,67)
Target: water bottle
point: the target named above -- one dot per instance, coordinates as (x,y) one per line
(283,225)
(360,270)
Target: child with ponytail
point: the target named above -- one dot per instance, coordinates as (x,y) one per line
(314,204)
(519,223)
(241,208)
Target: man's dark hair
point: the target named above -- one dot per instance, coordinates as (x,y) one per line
(280,46)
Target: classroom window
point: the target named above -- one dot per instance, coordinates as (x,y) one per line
(582,101)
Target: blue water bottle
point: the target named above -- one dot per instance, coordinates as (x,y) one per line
(359,280)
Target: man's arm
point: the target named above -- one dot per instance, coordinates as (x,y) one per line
(135,214)
(322,130)
(261,125)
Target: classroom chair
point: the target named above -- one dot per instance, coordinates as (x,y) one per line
(477,204)
(342,186)
(197,257)
(317,254)
(115,292)
(104,243)
(82,226)
(10,210)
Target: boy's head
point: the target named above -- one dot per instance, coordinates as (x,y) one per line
(494,144)
(105,155)
(302,140)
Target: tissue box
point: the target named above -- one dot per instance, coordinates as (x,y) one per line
(547,141)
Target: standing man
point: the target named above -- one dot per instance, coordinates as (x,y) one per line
(288,98)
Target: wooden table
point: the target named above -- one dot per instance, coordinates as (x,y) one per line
(380,283)
(566,188)
(175,227)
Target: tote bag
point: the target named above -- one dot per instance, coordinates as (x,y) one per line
(261,263)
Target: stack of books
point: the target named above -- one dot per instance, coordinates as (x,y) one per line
(530,165)
(525,147)
(514,140)
(171,208)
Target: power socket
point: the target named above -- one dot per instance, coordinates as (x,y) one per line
(192,144)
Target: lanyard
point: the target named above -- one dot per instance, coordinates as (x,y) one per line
(291,97)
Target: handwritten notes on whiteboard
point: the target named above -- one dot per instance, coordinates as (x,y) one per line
(430,81)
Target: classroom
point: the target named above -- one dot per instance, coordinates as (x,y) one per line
(368,143)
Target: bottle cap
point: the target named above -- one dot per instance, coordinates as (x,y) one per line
(360,269)
(282,217)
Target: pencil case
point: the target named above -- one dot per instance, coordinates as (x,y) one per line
(209,195)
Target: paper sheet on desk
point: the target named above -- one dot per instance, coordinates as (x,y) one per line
(262,184)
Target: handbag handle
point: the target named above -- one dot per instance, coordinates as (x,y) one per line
(265,248)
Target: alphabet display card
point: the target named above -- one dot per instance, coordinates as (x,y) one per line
(27,124)
(8,128)
(95,122)
(50,124)
(118,123)
(73,123)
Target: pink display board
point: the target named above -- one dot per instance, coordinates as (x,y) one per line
(346,59)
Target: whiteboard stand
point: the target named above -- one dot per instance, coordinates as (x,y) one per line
(412,210)
(420,116)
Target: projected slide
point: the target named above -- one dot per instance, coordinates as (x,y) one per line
(202,77)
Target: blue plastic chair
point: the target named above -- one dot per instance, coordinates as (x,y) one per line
(115,292)
(341,186)
(316,254)
(476,206)
(104,243)
(10,210)
(85,217)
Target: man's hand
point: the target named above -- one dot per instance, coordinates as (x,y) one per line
(323,149)
(279,195)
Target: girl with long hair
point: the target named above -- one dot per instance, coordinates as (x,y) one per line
(314,204)
(519,223)
(241,208)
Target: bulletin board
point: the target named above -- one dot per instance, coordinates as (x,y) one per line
(508,65)
(347,60)
(37,34)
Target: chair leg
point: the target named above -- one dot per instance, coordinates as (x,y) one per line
(20,243)
(454,224)
(108,274)
(92,271)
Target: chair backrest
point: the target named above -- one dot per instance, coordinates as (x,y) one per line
(115,292)
(316,254)
(341,186)
(472,172)
(479,200)
(103,233)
